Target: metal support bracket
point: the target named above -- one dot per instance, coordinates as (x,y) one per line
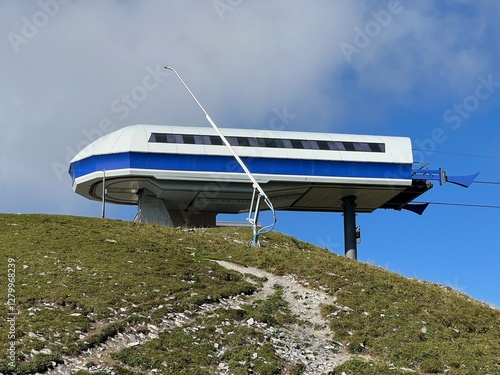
(430,174)
(441,176)
(253,216)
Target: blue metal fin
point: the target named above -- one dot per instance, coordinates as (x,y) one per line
(417,208)
(464,181)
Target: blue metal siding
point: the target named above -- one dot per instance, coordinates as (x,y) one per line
(212,163)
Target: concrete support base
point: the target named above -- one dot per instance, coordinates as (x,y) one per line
(193,219)
(152,210)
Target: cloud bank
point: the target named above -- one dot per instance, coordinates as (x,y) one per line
(74,70)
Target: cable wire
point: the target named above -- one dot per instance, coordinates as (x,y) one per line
(487,182)
(460,204)
(456,153)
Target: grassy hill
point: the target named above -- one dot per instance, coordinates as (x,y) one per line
(139,299)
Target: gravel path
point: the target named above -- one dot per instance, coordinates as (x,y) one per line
(309,343)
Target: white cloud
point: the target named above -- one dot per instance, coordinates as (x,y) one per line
(263,55)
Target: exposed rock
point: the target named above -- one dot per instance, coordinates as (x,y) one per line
(309,343)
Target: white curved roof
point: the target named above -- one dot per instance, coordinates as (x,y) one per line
(135,138)
(302,179)
(130,138)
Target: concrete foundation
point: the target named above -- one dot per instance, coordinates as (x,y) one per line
(152,210)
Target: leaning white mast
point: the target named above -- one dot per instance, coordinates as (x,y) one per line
(253,208)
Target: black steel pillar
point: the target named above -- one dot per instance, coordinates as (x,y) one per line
(350,246)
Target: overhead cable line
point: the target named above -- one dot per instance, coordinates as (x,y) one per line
(466,163)
(470,155)
(456,153)
(487,182)
(460,204)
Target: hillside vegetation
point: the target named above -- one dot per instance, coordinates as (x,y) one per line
(129,298)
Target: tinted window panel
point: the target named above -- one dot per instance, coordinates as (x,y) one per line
(253,142)
(232,141)
(339,146)
(189,139)
(357,146)
(280,143)
(332,145)
(314,145)
(349,146)
(366,147)
(270,142)
(377,147)
(215,140)
(267,142)
(243,141)
(162,138)
(306,144)
(323,145)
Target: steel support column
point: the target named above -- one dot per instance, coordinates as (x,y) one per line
(350,246)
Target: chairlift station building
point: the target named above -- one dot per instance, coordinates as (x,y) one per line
(179,175)
(192,176)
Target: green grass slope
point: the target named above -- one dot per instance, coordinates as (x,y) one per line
(81,281)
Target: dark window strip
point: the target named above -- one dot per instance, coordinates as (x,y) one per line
(268,142)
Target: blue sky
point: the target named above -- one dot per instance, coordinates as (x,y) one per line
(72,71)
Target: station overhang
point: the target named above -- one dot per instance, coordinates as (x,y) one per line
(190,170)
(231,192)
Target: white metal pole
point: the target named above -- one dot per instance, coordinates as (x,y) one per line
(226,142)
(103,193)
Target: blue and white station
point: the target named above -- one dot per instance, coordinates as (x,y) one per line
(180,175)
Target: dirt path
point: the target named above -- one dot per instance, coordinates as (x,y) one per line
(309,343)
